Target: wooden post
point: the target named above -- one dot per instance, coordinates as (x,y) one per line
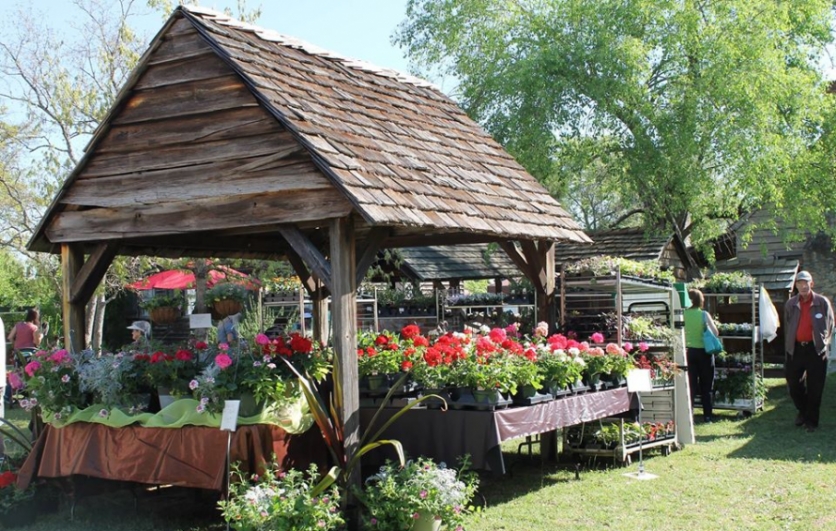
(72,259)
(319,321)
(344,319)
(545,307)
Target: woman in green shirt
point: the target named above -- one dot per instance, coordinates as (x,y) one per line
(700,363)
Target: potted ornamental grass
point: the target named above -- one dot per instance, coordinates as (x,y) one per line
(420,496)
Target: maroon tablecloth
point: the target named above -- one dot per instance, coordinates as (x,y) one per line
(447,435)
(191,456)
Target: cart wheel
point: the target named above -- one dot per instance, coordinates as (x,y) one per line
(746,414)
(666,451)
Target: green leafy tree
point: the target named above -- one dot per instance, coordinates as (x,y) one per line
(716,108)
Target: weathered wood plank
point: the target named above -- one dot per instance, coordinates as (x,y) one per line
(222,125)
(197,97)
(517,257)
(186,184)
(302,246)
(206,65)
(197,215)
(344,314)
(175,156)
(72,259)
(91,273)
(174,48)
(301,270)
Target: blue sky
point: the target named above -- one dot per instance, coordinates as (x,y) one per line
(360,29)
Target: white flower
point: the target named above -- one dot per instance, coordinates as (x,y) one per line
(580,361)
(574,351)
(194,384)
(485,329)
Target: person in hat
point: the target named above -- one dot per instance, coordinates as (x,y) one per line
(141,332)
(808,328)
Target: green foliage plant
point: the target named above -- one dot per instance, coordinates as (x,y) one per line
(227,291)
(175,300)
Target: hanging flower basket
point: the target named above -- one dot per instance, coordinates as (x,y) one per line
(164,315)
(225,307)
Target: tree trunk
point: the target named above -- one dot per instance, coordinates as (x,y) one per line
(90,311)
(98,328)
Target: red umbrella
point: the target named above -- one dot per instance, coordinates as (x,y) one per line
(176,279)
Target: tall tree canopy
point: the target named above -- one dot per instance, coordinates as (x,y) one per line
(710,108)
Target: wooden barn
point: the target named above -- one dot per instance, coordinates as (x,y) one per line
(229,140)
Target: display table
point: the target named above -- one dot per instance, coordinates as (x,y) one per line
(190,456)
(447,435)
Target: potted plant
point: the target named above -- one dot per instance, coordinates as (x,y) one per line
(420,496)
(115,380)
(18,507)
(164,309)
(226,298)
(282,499)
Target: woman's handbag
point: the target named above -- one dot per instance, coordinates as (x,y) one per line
(713,345)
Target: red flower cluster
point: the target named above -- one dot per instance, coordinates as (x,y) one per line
(7,479)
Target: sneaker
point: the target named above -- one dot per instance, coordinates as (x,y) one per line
(799,420)
(708,419)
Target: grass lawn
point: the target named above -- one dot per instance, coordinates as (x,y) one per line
(760,473)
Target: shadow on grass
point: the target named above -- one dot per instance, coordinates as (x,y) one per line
(773,435)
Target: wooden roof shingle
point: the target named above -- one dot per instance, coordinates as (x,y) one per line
(632,243)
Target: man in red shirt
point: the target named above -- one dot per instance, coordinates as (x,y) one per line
(808,321)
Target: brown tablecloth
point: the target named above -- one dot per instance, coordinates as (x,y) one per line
(447,435)
(191,456)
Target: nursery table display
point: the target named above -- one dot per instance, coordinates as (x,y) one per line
(447,435)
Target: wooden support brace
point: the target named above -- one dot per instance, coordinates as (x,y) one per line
(367,257)
(91,273)
(305,276)
(309,253)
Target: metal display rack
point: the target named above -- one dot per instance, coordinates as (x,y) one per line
(370,316)
(457,315)
(739,308)
(584,301)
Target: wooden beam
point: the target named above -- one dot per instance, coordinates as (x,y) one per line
(199,215)
(310,254)
(344,315)
(545,307)
(72,259)
(320,323)
(367,257)
(91,273)
(308,280)
(519,260)
(532,256)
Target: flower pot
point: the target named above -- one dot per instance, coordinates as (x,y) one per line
(378,382)
(426,522)
(486,398)
(248,406)
(166,398)
(226,307)
(164,315)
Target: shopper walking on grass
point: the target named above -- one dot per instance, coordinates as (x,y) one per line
(808,328)
(700,362)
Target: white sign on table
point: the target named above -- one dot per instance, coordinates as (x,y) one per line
(638,381)
(229,417)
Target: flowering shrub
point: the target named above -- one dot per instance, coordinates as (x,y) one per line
(397,496)
(51,382)
(286,500)
(172,372)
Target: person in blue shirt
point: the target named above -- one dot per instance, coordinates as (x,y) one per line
(228,329)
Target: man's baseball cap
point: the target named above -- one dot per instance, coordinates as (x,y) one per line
(804,275)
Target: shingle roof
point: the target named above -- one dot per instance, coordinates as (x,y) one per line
(632,243)
(402,152)
(445,262)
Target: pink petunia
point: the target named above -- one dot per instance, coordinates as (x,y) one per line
(60,356)
(628,347)
(32,367)
(223,361)
(15,380)
(223,346)
(597,337)
(643,346)
(262,339)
